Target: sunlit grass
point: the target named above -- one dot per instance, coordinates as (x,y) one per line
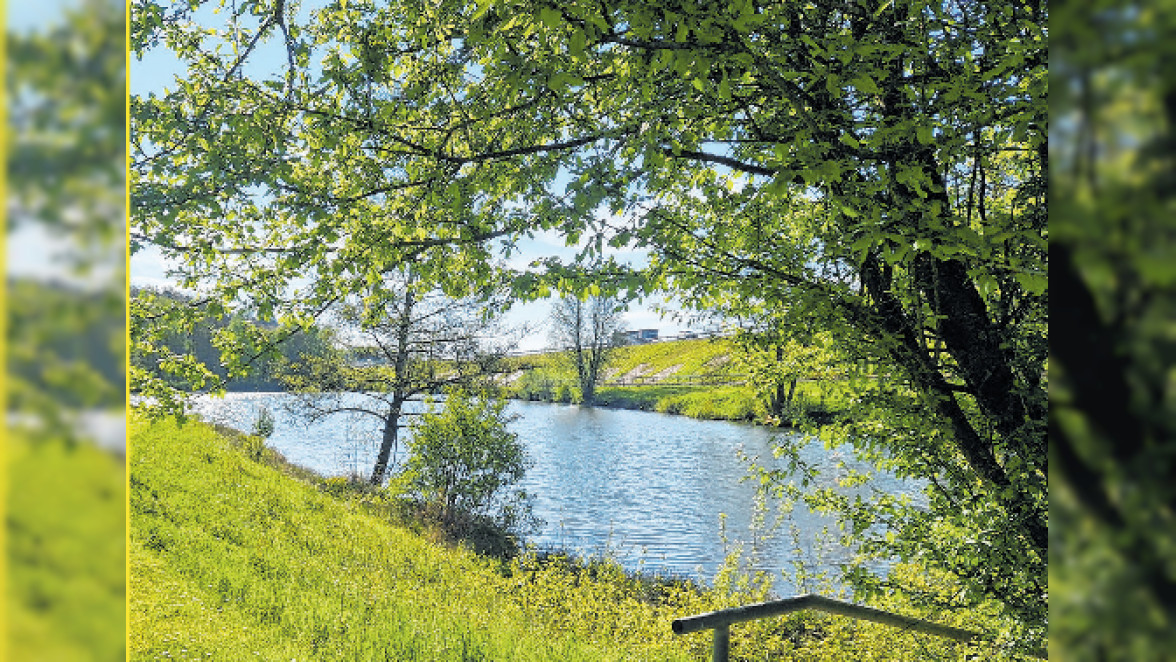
(232,557)
(65,557)
(682,357)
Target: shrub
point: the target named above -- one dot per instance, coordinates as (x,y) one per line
(254,443)
(533,385)
(563,393)
(463,463)
(263,425)
(254,447)
(349,486)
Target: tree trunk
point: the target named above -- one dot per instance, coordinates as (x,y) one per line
(587,378)
(588,392)
(387,445)
(778,399)
(399,388)
(978,451)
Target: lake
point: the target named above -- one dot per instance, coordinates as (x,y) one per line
(657,492)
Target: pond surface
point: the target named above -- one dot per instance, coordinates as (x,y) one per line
(658,492)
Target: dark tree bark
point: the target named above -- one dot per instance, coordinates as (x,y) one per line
(387,445)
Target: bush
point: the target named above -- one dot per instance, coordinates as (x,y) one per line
(254,447)
(533,385)
(349,486)
(563,393)
(263,425)
(463,463)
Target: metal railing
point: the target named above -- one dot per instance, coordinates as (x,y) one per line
(721,621)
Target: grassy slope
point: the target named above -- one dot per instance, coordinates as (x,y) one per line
(65,551)
(232,559)
(688,356)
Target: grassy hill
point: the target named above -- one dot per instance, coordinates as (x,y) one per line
(710,356)
(235,559)
(235,555)
(65,574)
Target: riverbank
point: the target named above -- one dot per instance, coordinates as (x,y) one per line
(238,555)
(715,403)
(698,378)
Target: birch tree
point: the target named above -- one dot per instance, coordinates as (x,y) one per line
(415,344)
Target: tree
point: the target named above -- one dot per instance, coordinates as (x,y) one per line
(64,335)
(776,359)
(875,168)
(60,355)
(465,463)
(1111,423)
(65,182)
(587,329)
(413,343)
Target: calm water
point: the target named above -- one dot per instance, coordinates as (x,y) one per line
(655,491)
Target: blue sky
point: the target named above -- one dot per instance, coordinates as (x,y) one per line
(158,71)
(23,15)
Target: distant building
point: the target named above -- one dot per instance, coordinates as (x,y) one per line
(642,336)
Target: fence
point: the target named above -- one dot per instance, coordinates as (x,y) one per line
(680,380)
(721,621)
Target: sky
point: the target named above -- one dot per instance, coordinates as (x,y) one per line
(158,70)
(22,16)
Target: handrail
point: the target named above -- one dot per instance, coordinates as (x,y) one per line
(721,621)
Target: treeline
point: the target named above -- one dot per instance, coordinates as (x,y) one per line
(65,346)
(273,345)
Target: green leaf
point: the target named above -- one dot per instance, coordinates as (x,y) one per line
(833,85)
(725,89)
(866,84)
(483,6)
(561,81)
(846,209)
(987,285)
(1033,283)
(550,17)
(577,43)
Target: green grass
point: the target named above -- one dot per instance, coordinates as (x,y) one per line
(66,564)
(690,357)
(732,403)
(235,558)
(697,357)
